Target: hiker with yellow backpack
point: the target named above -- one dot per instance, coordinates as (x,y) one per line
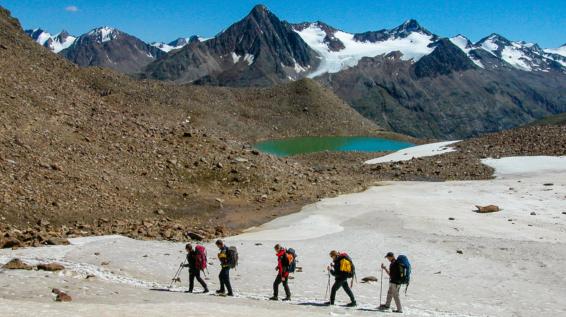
(342,268)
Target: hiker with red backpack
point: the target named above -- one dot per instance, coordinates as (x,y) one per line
(196,262)
(342,269)
(285,262)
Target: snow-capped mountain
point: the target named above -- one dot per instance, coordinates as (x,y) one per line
(110,47)
(178,43)
(339,50)
(55,43)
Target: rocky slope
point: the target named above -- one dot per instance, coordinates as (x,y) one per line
(89,151)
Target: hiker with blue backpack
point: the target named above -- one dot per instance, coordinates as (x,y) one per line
(399,273)
(196,262)
(285,265)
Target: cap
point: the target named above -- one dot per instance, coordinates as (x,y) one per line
(389,254)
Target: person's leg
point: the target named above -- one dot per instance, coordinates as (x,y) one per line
(191,281)
(276,286)
(349,291)
(389,295)
(286,286)
(222,279)
(397,298)
(227,282)
(201,281)
(337,284)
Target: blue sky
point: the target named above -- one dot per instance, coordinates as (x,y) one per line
(542,21)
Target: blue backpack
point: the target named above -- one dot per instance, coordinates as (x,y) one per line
(405,269)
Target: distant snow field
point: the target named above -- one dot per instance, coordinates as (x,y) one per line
(407,154)
(511,262)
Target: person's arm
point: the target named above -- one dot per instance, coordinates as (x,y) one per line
(383,267)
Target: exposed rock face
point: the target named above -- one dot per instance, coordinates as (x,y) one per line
(259,50)
(112,48)
(444,96)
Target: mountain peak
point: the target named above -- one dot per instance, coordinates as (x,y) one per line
(260,8)
(104,34)
(408,27)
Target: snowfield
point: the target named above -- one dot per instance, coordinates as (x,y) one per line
(424,150)
(413,47)
(511,262)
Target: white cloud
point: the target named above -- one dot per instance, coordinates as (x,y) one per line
(72,8)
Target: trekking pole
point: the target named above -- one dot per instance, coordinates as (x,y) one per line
(327,287)
(177,274)
(381,287)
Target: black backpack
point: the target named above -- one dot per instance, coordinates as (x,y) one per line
(232,257)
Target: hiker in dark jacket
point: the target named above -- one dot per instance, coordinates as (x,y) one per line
(395,281)
(341,277)
(224,275)
(194,271)
(282,273)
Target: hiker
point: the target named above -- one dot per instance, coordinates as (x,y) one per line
(284,260)
(395,280)
(342,269)
(196,261)
(224,275)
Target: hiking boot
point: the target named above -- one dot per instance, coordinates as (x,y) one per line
(230,294)
(220,291)
(398,311)
(189,291)
(352,304)
(286,299)
(273,298)
(383,307)
(205,291)
(328,303)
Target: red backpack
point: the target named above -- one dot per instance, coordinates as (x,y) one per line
(201,260)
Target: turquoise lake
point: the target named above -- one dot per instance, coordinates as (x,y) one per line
(304,145)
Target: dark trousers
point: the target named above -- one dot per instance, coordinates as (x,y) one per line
(195,274)
(278,280)
(337,285)
(224,277)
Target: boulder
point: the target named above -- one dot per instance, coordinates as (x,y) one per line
(16,264)
(51,267)
(57,241)
(368,279)
(61,296)
(195,236)
(487,209)
(10,243)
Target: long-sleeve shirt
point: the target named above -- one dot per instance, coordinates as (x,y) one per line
(223,257)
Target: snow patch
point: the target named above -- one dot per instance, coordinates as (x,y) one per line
(526,165)
(558,51)
(466,46)
(407,154)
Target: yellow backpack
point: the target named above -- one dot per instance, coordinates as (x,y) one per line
(345,266)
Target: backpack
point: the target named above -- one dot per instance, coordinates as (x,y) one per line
(405,267)
(232,257)
(290,260)
(346,265)
(201,260)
